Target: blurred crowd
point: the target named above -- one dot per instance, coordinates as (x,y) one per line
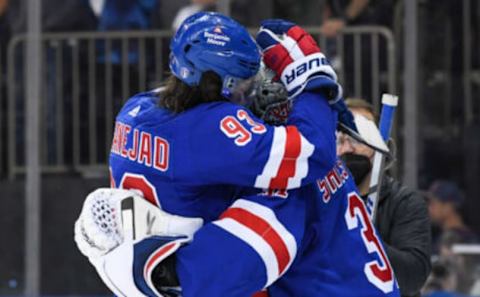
(87,15)
(453,269)
(119,15)
(144,15)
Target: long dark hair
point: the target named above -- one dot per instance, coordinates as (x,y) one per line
(179,96)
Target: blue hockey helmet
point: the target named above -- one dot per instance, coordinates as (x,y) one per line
(209,41)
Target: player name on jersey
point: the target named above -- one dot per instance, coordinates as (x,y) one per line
(333,181)
(140,146)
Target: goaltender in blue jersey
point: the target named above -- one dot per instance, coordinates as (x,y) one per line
(281,213)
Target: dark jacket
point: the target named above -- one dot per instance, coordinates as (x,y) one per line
(377,12)
(57,16)
(404,226)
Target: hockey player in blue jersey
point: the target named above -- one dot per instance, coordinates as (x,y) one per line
(263,233)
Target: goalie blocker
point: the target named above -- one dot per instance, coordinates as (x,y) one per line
(131,243)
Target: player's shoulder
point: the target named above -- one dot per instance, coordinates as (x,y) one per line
(214,112)
(142,107)
(220,108)
(145,100)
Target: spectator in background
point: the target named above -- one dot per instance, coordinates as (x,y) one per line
(342,13)
(4,36)
(123,66)
(402,215)
(3,6)
(251,13)
(247,12)
(57,16)
(124,15)
(442,282)
(305,12)
(357,12)
(445,201)
(194,7)
(3,23)
(121,15)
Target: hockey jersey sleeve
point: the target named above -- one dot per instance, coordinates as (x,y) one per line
(231,146)
(251,245)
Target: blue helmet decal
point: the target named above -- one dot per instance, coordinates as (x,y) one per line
(208,41)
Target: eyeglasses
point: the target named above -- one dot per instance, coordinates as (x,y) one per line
(343,139)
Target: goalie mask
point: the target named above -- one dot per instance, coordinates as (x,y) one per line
(270,99)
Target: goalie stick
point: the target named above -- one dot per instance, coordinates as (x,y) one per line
(389,103)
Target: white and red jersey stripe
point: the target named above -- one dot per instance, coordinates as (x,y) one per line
(155,258)
(259,227)
(287,162)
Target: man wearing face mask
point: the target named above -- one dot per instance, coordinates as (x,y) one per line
(402,214)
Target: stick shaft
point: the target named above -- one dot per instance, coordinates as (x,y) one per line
(389,103)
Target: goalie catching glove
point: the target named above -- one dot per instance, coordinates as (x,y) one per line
(131,242)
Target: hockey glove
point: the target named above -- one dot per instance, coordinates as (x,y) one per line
(296,59)
(98,228)
(125,236)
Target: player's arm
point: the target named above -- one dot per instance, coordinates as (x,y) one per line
(237,148)
(301,67)
(137,250)
(232,146)
(250,246)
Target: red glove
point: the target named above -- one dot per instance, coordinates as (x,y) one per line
(296,59)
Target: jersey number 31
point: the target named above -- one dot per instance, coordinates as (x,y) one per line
(379,272)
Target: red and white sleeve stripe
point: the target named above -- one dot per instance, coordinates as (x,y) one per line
(287,162)
(259,227)
(155,258)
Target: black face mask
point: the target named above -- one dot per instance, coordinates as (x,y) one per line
(359,165)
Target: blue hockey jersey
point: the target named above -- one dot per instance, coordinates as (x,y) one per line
(176,159)
(318,242)
(315,241)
